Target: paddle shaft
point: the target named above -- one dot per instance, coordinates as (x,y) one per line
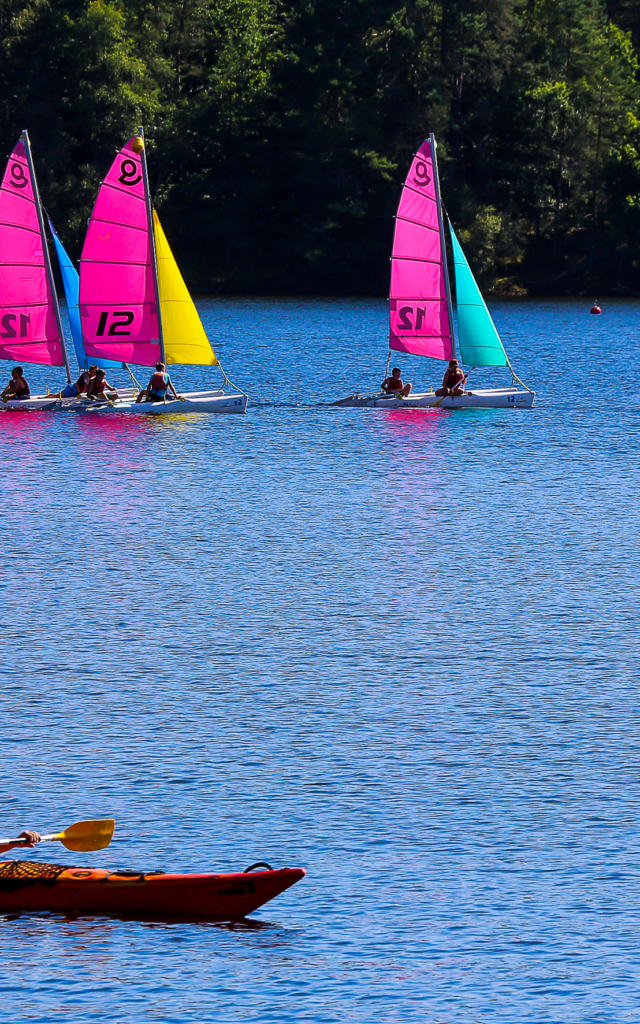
(20,841)
(460,384)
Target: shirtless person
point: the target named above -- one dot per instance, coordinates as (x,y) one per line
(26,838)
(17,388)
(394,384)
(453,381)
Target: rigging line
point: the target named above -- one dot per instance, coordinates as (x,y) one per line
(132,376)
(386,369)
(230,382)
(515,377)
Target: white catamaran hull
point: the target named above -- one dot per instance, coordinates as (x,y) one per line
(35,404)
(483,398)
(189,402)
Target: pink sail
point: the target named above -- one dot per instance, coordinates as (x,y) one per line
(28,325)
(117,292)
(418,310)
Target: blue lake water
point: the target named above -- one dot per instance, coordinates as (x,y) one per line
(397,648)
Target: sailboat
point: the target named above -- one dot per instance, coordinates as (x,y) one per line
(134,306)
(421,320)
(30,324)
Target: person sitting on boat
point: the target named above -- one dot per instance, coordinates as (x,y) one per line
(453,381)
(17,388)
(81,384)
(30,837)
(394,385)
(159,385)
(98,385)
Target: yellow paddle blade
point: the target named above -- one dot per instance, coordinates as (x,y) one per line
(87,835)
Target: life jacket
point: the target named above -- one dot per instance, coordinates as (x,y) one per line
(82,382)
(394,385)
(98,385)
(159,383)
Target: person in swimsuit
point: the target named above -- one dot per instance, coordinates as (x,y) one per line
(98,384)
(30,837)
(17,388)
(394,385)
(159,386)
(453,381)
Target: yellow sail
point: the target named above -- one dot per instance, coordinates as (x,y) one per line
(185,340)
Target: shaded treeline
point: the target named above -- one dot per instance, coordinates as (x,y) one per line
(279,131)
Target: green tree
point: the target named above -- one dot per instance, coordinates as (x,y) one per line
(70,72)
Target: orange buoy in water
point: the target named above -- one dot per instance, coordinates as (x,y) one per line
(595,308)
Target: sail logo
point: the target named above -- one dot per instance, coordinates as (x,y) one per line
(19,177)
(9,323)
(405,314)
(121,320)
(129,173)
(421,174)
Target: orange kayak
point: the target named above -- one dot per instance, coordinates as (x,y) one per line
(25,885)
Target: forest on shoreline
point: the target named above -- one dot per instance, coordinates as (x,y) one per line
(279,132)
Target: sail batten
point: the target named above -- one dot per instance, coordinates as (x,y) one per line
(409,220)
(418,259)
(419,319)
(29,330)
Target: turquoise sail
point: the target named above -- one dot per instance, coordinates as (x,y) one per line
(478,340)
(71,283)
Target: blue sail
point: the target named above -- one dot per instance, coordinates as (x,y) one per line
(478,339)
(71,283)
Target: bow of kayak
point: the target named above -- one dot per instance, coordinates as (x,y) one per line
(25,885)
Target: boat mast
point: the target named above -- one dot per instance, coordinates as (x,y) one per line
(152,239)
(443,241)
(45,248)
